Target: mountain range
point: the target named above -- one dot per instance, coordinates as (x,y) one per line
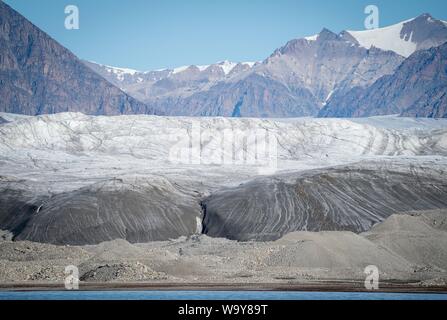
(400,69)
(322,75)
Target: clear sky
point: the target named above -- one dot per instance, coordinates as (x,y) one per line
(155,34)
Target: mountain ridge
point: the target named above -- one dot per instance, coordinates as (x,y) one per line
(297,79)
(346,34)
(305,77)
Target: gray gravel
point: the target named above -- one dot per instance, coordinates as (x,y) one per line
(408,247)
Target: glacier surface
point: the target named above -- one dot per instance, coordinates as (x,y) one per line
(77,179)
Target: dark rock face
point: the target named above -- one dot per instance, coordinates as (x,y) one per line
(254,96)
(39,76)
(425,31)
(336,199)
(330,63)
(102,212)
(417,88)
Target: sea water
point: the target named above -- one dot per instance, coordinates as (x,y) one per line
(214,295)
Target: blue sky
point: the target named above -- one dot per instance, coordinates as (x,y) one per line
(154,34)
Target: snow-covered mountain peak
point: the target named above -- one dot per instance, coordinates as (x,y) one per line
(405,37)
(180,69)
(387,38)
(324,35)
(226,66)
(117,71)
(312,38)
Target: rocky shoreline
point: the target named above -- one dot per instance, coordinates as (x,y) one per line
(413,261)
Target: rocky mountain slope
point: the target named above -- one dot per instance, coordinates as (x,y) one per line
(418,88)
(39,76)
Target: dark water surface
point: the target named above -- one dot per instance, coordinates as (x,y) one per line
(214,295)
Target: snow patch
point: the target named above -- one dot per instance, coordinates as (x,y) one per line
(312,38)
(117,70)
(328,97)
(227,66)
(203,68)
(387,38)
(120,72)
(180,69)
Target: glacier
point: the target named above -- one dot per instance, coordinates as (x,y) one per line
(70,178)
